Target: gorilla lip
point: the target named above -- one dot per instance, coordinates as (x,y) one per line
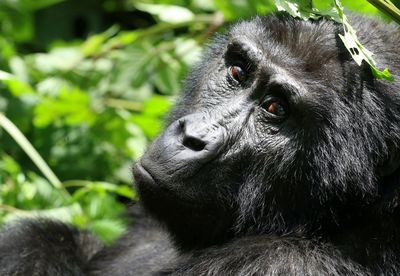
(142,175)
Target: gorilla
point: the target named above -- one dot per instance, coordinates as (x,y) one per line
(282,157)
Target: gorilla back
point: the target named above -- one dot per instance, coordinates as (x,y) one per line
(281,158)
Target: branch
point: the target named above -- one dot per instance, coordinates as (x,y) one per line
(388,8)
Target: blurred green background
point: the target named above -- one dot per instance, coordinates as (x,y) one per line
(88,83)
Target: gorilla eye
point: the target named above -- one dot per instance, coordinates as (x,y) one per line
(237,73)
(275,107)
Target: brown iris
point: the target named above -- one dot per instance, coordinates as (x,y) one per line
(237,73)
(273,106)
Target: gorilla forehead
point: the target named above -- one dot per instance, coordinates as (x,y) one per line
(306,45)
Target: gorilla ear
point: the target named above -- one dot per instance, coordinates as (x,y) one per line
(391,164)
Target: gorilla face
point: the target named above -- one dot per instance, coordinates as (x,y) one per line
(278,129)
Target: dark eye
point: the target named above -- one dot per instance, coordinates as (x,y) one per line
(275,107)
(237,73)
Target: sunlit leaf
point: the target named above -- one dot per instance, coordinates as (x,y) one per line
(70,106)
(157,106)
(167,13)
(94,44)
(64,214)
(107,229)
(16,86)
(59,59)
(243,8)
(19,69)
(356,49)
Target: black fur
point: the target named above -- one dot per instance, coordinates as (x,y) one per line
(243,192)
(43,247)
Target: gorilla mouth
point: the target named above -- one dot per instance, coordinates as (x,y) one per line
(149,185)
(142,175)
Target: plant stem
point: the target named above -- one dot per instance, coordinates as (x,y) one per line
(387,7)
(21,140)
(125,104)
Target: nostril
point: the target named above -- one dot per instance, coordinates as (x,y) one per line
(193,143)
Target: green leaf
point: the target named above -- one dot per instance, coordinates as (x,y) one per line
(235,9)
(107,229)
(58,59)
(308,9)
(157,106)
(167,79)
(151,126)
(167,13)
(17,21)
(355,48)
(17,87)
(188,50)
(98,187)
(39,4)
(360,7)
(71,107)
(95,43)
(136,143)
(297,8)
(9,165)
(64,214)
(126,191)
(19,69)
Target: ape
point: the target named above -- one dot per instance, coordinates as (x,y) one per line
(281,158)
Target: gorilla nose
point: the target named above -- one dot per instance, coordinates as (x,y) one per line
(198,134)
(193,143)
(185,146)
(194,132)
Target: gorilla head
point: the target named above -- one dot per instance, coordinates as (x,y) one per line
(278,131)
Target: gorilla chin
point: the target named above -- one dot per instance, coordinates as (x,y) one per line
(194,223)
(280,158)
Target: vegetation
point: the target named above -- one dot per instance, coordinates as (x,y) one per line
(84,87)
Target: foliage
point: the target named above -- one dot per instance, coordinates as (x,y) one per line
(334,10)
(88,107)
